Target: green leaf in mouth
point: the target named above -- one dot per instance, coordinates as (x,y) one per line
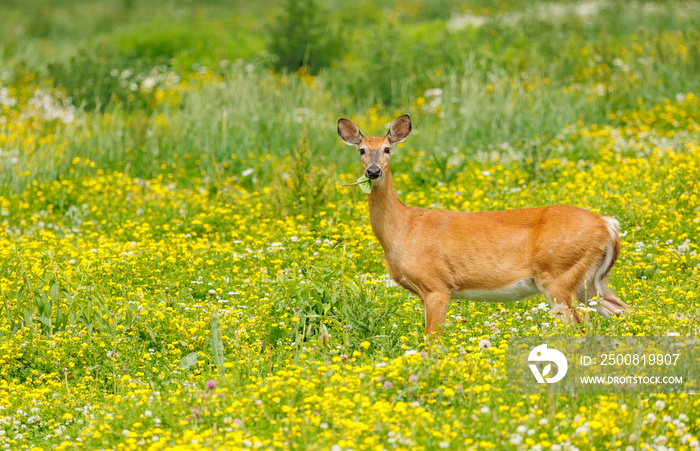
(364,182)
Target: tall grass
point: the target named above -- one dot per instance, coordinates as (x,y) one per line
(516,78)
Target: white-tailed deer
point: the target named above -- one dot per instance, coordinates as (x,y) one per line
(561,251)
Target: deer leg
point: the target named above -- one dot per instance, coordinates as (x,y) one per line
(560,295)
(611,303)
(435,309)
(607,302)
(596,285)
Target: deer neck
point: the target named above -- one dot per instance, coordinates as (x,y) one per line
(387,214)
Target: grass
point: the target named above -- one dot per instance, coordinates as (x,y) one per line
(180,267)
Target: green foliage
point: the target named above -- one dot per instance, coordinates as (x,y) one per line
(303,185)
(49,303)
(96,76)
(365,318)
(302,36)
(189,361)
(314,294)
(184,43)
(322,297)
(381,69)
(130,67)
(217,346)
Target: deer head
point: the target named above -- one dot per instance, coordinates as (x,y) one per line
(375,152)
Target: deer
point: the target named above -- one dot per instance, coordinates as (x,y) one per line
(561,251)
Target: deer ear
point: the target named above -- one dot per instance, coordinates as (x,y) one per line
(349,132)
(399,129)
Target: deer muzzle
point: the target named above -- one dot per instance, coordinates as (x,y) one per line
(373,172)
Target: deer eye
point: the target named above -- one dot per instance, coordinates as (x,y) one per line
(362,151)
(387,150)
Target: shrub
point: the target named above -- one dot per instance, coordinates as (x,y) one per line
(299,186)
(114,67)
(302,37)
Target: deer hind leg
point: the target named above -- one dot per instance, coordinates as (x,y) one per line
(560,293)
(435,309)
(560,297)
(596,285)
(611,303)
(608,302)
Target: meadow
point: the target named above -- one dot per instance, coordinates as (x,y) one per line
(181,269)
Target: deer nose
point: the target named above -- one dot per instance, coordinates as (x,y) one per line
(373,172)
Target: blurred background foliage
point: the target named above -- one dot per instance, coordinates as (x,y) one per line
(221,78)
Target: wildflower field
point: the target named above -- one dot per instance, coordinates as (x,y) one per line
(181,269)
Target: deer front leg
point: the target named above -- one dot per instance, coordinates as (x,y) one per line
(435,309)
